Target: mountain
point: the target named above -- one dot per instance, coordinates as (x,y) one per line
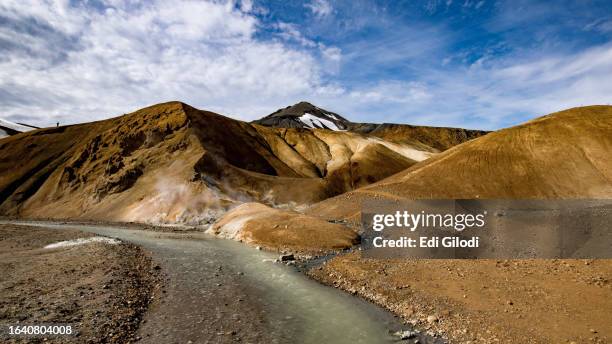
(439,138)
(561,155)
(304,115)
(8,128)
(308,116)
(173,163)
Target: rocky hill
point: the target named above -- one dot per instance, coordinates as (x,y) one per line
(173,163)
(304,115)
(561,155)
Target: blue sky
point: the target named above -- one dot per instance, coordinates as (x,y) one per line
(476,64)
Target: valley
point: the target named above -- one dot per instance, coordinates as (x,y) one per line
(293,184)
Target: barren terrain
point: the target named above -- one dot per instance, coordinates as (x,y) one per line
(299,190)
(562,155)
(173,163)
(220,291)
(102,290)
(487,301)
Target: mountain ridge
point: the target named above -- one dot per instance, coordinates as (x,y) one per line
(171,162)
(304,115)
(560,155)
(309,116)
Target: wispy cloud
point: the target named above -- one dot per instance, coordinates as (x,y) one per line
(601,25)
(320,8)
(450,63)
(79,63)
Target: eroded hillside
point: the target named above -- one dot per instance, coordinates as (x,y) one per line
(173,163)
(561,155)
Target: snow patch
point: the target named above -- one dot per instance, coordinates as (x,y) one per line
(83,241)
(314,122)
(14,126)
(332,116)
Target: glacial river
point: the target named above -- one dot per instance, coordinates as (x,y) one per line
(223,291)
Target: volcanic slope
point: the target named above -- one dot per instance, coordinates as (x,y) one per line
(306,115)
(173,163)
(561,155)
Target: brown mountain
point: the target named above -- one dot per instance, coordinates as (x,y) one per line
(306,115)
(561,155)
(171,162)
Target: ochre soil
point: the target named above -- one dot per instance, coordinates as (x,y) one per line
(173,163)
(101,290)
(486,301)
(559,156)
(283,230)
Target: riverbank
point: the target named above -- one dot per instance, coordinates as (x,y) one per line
(486,301)
(100,289)
(221,291)
(467,301)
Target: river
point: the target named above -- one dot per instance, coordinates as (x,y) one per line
(218,291)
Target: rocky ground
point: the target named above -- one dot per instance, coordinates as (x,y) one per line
(486,301)
(466,301)
(102,290)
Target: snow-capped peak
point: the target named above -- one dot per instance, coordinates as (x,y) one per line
(305,115)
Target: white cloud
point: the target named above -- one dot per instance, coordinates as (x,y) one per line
(125,57)
(320,8)
(600,25)
(290,32)
(332,53)
(80,63)
(490,95)
(246,5)
(392,92)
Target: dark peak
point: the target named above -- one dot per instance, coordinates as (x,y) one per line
(303,107)
(305,115)
(297,109)
(304,103)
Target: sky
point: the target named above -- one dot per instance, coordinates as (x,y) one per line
(464,63)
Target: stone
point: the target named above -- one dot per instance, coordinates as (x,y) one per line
(406,334)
